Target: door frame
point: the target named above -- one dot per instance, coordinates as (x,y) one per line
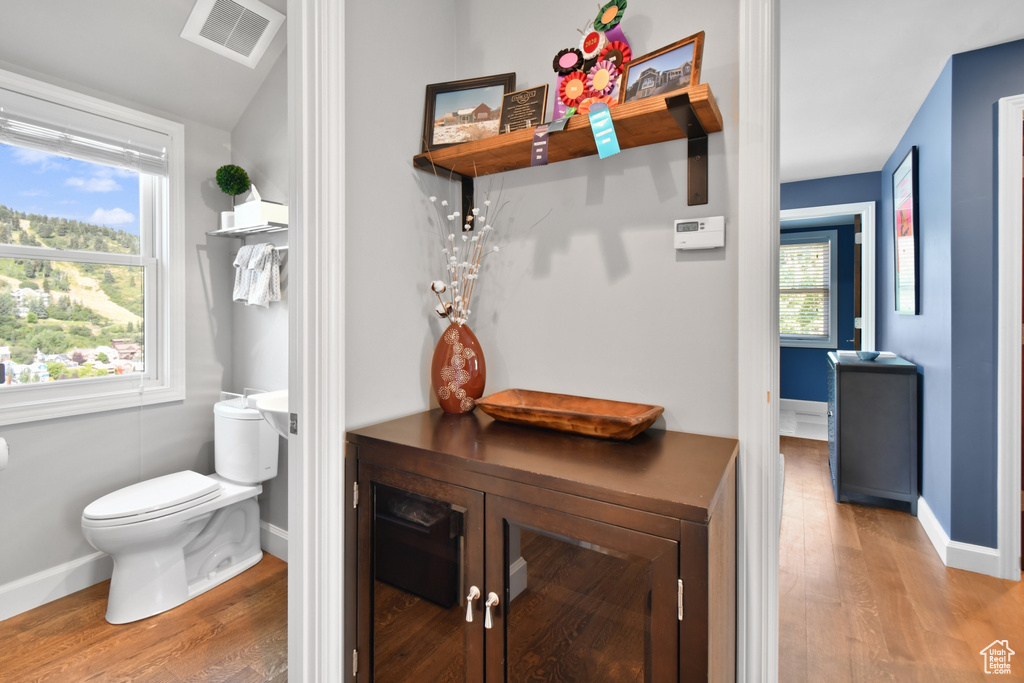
(866,211)
(1008,383)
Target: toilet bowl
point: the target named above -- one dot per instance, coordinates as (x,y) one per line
(176,536)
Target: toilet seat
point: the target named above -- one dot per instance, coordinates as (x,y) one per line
(152,498)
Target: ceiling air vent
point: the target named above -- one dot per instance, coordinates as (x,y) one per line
(237,29)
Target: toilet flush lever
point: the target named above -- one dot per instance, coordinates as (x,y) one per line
(474,593)
(492,601)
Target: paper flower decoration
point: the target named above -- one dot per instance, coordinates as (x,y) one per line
(568,60)
(592,44)
(609,16)
(616,52)
(588,104)
(601,79)
(573,88)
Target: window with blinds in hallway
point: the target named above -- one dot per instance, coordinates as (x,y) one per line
(807,287)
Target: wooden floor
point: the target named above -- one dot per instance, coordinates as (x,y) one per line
(236,632)
(863,595)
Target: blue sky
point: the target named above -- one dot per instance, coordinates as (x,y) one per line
(37,182)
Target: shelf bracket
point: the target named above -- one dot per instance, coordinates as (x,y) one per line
(466,182)
(696,148)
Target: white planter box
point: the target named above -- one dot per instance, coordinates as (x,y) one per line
(260,213)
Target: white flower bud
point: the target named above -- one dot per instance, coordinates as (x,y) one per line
(496,250)
(444,202)
(433,199)
(476,212)
(437,286)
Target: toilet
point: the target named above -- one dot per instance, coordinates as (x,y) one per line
(179,535)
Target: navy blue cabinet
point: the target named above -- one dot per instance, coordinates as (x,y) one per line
(872,428)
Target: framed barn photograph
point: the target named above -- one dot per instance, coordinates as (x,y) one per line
(461,111)
(663,71)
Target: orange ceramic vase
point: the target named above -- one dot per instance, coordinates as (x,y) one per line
(457,371)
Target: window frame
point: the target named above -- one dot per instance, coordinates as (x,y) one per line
(807,237)
(161,252)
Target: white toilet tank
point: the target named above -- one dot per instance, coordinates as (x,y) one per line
(245,445)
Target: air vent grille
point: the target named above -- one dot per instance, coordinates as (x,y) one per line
(238,29)
(234,27)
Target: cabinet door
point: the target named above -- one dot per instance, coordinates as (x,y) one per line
(420,552)
(579,600)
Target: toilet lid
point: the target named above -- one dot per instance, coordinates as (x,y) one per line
(180,490)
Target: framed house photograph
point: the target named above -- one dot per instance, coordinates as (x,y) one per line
(905,233)
(663,71)
(460,111)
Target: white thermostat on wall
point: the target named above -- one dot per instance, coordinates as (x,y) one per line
(700,233)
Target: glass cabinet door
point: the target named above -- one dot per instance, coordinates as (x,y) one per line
(420,561)
(580,600)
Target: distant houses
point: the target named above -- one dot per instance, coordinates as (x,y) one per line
(120,358)
(24,297)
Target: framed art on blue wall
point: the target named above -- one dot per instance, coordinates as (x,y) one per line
(905,233)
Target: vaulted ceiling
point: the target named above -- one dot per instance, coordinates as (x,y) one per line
(852,74)
(133,51)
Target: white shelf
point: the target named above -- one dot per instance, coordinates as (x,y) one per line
(248,230)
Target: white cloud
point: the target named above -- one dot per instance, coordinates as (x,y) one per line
(111,217)
(93,184)
(32,157)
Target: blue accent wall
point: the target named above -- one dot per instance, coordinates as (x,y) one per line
(980,79)
(954,338)
(803,372)
(847,189)
(925,338)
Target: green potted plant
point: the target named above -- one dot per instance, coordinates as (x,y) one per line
(233,181)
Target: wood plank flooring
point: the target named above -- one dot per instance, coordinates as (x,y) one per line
(234,633)
(863,595)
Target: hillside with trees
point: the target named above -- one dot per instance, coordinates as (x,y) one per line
(66,305)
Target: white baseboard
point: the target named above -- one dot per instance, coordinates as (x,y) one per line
(274,540)
(806,411)
(56,582)
(803,419)
(955,554)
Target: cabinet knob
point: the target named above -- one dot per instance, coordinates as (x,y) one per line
(474,593)
(492,601)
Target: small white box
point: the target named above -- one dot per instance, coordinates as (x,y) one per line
(260,212)
(700,233)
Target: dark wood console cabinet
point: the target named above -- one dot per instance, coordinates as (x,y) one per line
(872,428)
(575,558)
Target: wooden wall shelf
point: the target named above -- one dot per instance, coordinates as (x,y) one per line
(689,113)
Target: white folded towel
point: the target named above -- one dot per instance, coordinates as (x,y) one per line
(265,267)
(243,276)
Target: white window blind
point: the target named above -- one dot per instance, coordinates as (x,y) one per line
(70,132)
(807,283)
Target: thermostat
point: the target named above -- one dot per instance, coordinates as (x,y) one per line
(700,233)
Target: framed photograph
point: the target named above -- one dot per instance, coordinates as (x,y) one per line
(663,71)
(460,111)
(523,109)
(905,229)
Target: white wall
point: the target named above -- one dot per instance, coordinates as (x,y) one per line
(593,301)
(259,347)
(57,467)
(388,333)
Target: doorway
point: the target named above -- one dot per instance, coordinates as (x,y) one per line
(805,417)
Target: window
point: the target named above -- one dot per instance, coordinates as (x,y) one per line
(91,268)
(807,289)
